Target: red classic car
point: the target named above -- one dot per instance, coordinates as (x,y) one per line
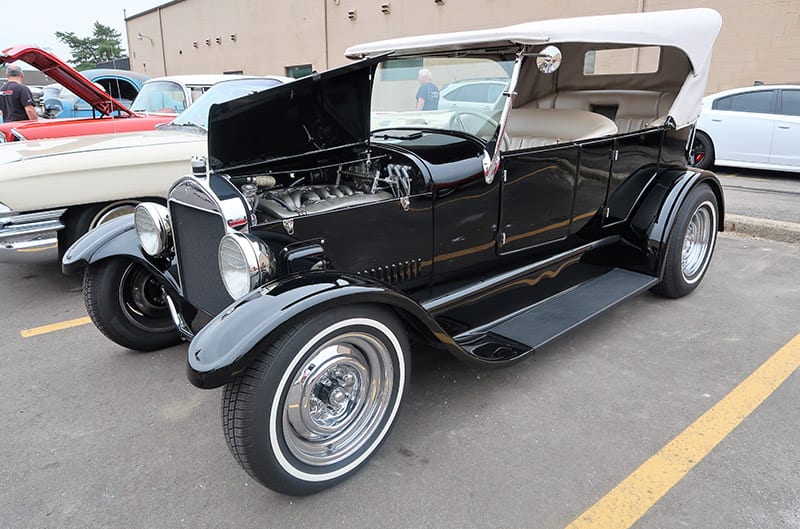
(111,115)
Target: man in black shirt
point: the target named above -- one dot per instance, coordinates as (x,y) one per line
(428,93)
(16,101)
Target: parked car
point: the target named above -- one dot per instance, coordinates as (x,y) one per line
(482,95)
(302,258)
(755,127)
(108,114)
(54,191)
(122,85)
(174,93)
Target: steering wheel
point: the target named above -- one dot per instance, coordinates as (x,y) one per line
(486,129)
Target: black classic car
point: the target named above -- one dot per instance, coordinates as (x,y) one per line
(301,259)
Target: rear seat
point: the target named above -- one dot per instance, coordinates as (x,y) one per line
(631,110)
(530,126)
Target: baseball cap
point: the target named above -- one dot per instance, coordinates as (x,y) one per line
(13,71)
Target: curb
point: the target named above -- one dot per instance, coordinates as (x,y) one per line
(776,230)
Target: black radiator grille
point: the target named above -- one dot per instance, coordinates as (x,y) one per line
(197,234)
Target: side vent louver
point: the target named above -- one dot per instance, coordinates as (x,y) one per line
(395,273)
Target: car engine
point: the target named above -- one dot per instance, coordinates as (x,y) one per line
(279,196)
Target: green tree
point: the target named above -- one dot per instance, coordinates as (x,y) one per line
(104,44)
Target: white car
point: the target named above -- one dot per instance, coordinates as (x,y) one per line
(174,93)
(53,191)
(484,95)
(757,127)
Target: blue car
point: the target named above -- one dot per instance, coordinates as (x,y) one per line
(122,85)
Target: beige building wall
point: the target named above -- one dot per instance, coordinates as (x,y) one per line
(760,39)
(254,37)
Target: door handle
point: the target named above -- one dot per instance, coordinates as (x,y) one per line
(716,120)
(784,126)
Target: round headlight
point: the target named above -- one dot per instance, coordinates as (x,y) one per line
(152,228)
(245,263)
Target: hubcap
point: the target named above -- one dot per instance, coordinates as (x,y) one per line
(698,242)
(143,300)
(338,398)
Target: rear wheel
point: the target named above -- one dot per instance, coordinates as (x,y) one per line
(702,154)
(319,399)
(691,244)
(126,302)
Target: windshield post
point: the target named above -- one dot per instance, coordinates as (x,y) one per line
(511,95)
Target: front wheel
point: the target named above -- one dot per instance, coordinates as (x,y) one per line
(319,399)
(691,244)
(126,302)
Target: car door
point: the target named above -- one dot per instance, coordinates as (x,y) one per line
(786,131)
(538,193)
(740,125)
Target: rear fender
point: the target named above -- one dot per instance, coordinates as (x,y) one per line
(227,345)
(656,214)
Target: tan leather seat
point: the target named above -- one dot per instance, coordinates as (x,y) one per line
(534,127)
(635,109)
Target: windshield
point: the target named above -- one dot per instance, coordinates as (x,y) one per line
(449,93)
(197,114)
(162,97)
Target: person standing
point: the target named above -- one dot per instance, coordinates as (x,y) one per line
(428,93)
(16,101)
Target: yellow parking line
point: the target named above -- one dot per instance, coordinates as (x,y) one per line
(44,329)
(632,498)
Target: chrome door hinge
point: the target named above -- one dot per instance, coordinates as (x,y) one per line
(505,175)
(606,212)
(614,154)
(501,238)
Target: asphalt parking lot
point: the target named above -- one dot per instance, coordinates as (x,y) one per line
(97,436)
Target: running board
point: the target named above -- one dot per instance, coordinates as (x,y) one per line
(529,329)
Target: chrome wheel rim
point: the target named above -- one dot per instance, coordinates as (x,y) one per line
(338,398)
(698,242)
(112,211)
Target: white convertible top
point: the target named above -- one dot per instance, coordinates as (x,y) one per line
(691,31)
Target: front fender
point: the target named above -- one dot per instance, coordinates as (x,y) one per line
(228,344)
(117,236)
(114,238)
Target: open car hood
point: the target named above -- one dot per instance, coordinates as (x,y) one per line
(67,76)
(315,113)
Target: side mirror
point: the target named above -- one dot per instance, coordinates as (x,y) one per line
(549,59)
